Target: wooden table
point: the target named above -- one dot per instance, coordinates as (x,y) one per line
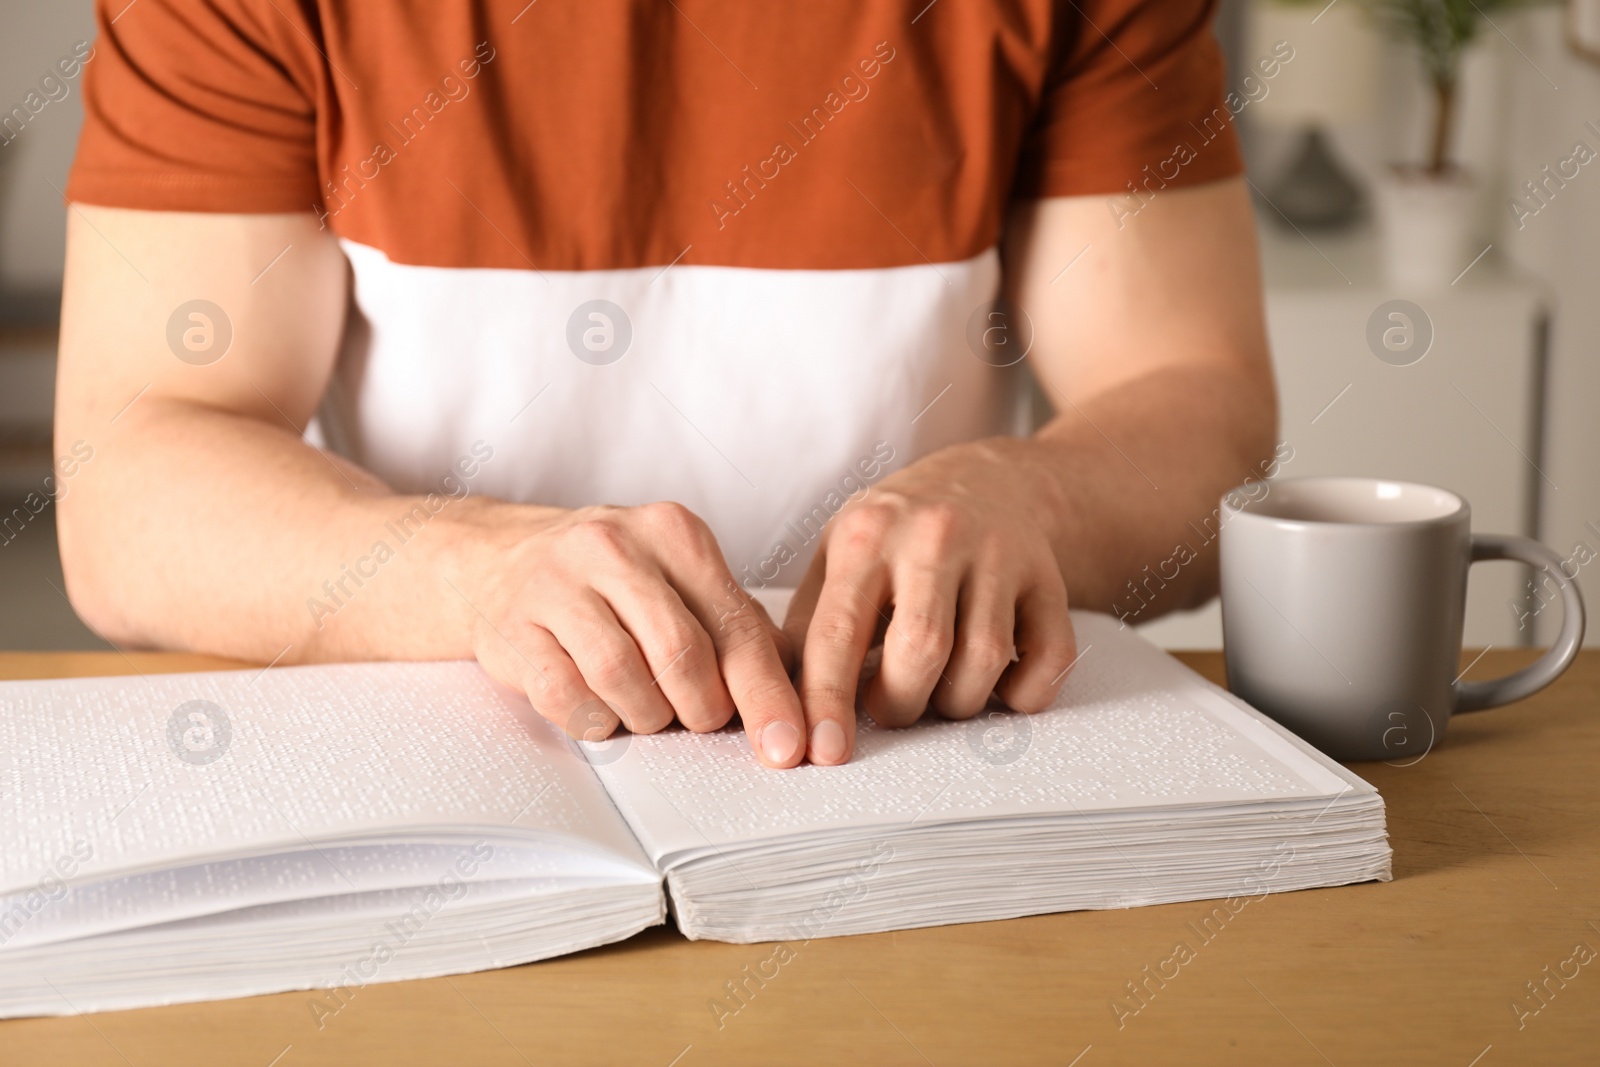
(1497,877)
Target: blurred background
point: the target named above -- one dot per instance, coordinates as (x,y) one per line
(1429,203)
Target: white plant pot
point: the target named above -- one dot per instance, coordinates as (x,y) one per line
(1428,226)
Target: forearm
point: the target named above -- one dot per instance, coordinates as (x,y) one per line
(1132,478)
(202,529)
(1151,343)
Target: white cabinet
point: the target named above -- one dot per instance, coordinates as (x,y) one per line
(1465,416)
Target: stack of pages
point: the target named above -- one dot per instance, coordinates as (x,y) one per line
(185,837)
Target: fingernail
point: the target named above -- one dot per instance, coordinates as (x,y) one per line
(827,742)
(779,741)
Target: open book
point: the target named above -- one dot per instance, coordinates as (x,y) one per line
(186,837)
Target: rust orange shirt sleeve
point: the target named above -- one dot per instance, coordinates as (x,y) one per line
(1134,84)
(200,105)
(297,105)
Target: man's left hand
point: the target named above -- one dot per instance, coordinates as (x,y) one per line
(951,563)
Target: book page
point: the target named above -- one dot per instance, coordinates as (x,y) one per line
(1133,730)
(112,775)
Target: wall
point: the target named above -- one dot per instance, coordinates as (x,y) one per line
(1525,98)
(1553,93)
(33,36)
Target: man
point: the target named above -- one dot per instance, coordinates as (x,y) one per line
(543,332)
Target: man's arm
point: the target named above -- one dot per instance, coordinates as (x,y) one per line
(204,521)
(1151,347)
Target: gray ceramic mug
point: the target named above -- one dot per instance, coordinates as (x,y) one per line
(1342,607)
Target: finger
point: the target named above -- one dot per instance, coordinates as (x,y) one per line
(780,640)
(916,645)
(540,668)
(611,663)
(742,636)
(985,619)
(1046,647)
(754,671)
(677,650)
(803,604)
(836,643)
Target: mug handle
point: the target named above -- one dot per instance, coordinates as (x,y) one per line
(1475,696)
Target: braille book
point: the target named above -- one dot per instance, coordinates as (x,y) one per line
(174,838)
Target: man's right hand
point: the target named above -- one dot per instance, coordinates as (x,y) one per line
(610,614)
(207,522)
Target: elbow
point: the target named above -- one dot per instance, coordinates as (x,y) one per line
(1255,454)
(1256,424)
(89,574)
(1235,411)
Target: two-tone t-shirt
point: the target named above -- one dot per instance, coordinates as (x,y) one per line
(735,253)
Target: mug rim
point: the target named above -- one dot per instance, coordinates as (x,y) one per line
(1461,511)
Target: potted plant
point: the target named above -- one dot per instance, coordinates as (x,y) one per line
(1426,211)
